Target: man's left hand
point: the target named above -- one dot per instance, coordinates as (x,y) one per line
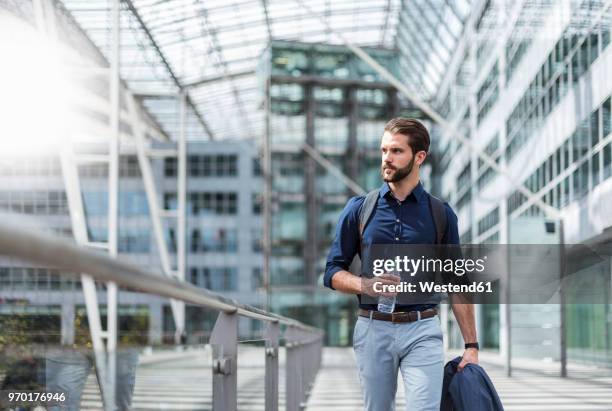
(470,356)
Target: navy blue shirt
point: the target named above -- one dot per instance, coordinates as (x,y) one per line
(393,222)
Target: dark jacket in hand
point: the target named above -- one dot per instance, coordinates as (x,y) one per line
(468,390)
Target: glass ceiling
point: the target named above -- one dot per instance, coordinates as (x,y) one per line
(211,48)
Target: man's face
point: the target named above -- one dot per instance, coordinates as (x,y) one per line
(397,158)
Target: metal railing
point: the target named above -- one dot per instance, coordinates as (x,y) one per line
(303,343)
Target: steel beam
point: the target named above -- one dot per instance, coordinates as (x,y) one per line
(325,163)
(264,4)
(45,19)
(266,167)
(113,197)
(385,24)
(212,79)
(352,147)
(167,66)
(562,301)
(181,248)
(433,24)
(155,211)
(310,176)
(212,33)
(330,82)
(79,229)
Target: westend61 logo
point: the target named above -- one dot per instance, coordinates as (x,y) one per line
(412,266)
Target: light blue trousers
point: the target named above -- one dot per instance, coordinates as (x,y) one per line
(382,348)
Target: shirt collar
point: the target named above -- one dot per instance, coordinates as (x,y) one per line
(417,192)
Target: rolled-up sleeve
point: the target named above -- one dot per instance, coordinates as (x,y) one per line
(346,242)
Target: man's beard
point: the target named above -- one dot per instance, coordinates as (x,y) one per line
(399,174)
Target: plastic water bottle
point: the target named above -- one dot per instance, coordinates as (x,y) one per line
(387,304)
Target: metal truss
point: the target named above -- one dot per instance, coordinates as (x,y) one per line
(104,342)
(104,355)
(157,213)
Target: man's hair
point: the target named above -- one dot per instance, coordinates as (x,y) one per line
(418,136)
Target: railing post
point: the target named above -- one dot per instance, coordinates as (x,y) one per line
(292,371)
(303,362)
(305,365)
(310,365)
(272,333)
(299,367)
(310,362)
(224,341)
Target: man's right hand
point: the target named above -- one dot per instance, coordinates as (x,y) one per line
(367,285)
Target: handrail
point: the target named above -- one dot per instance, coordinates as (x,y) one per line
(49,250)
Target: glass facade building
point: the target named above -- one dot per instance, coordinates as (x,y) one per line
(327,98)
(222,227)
(537,102)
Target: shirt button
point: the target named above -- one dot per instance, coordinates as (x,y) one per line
(397,221)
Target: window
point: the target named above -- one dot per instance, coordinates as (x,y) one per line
(93,171)
(256,240)
(214,240)
(171,240)
(607,160)
(31,166)
(595,169)
(194,276)
(217,165)
(35,202)
(549,86)
(466,238)
(170,167)
(488,93)
(220,278)
(464,193)
(195,243)
(257,205)
(170,201)
(257,169)
(594,128)
(256,278)
(133,241)
(223,203)
(128,166)
(488,221)
(133,203)
(30,278)
(486,173)
(606,118)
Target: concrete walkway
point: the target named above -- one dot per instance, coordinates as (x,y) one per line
(182,381)
(534,386)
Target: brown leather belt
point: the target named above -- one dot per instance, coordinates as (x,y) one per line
(399,317)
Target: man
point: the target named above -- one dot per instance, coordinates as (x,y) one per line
(385,342)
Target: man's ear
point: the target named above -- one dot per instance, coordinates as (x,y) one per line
(420,157)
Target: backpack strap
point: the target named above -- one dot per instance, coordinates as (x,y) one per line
(438,212)
(366,211)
